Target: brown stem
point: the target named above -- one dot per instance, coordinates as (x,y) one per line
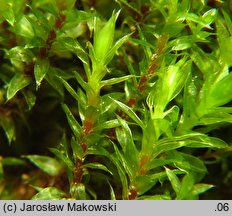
(132,195)
(78,171)
(155,60)
(142,163)
(43,52)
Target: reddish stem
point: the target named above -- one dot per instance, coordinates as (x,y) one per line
(60,21)
(78,172)
(87,127)
(132,194)
(43,52)
(142,163)
(51,38)
(142,83)
(131,102)
(84,146)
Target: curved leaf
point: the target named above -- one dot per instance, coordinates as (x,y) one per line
(73,123)
(129,112)
(49,193)
(97,166)
(49,165)
(18,82)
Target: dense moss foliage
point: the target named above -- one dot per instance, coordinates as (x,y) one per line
(115,99)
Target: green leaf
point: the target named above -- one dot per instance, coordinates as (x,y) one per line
(142,41)
(115,47)
(97,166)
(182,43)
(173,28)
(145,182)
(118,161)
(177,75)
(73,123)
(49,165)
(147,46)
(173,114)
(65,160)
(192,17)
(40,26)
(221,92)
(162,146)
(184,5)
(18,82)
(69,44)
(130,151)
(170,83)
(225,47)
(54,81)
(193,140)
(201,188)
(9,15)
(155,163)
(224,38)
(80,80)
(103,38)
(12,161)
(189,104)
(70,89)
(20,57)
(186,188)
(120,157)
(209,16)
(115,80)
(129,6)
(78,191)
(98,150)
(107,125)
(40,70)
(106,102)
(203,61)
(34,43)
(47,5)
(149,138)
(112,193)
(24,28)
(9,128)
(128,62)
(122,176)
(215,118)
(129,112)
(49,193)
(228,21)
(207,142)
(155,197)
(186,162)
(77,149)
(83,103)
(30,98)
(175,182)
(40,23)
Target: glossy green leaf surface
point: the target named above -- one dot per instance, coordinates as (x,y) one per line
(103,38)
(75,126)
(45,163)
(129,112)
(121,100)
(40,70)
(174,180)
(18,82)
(49,193)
